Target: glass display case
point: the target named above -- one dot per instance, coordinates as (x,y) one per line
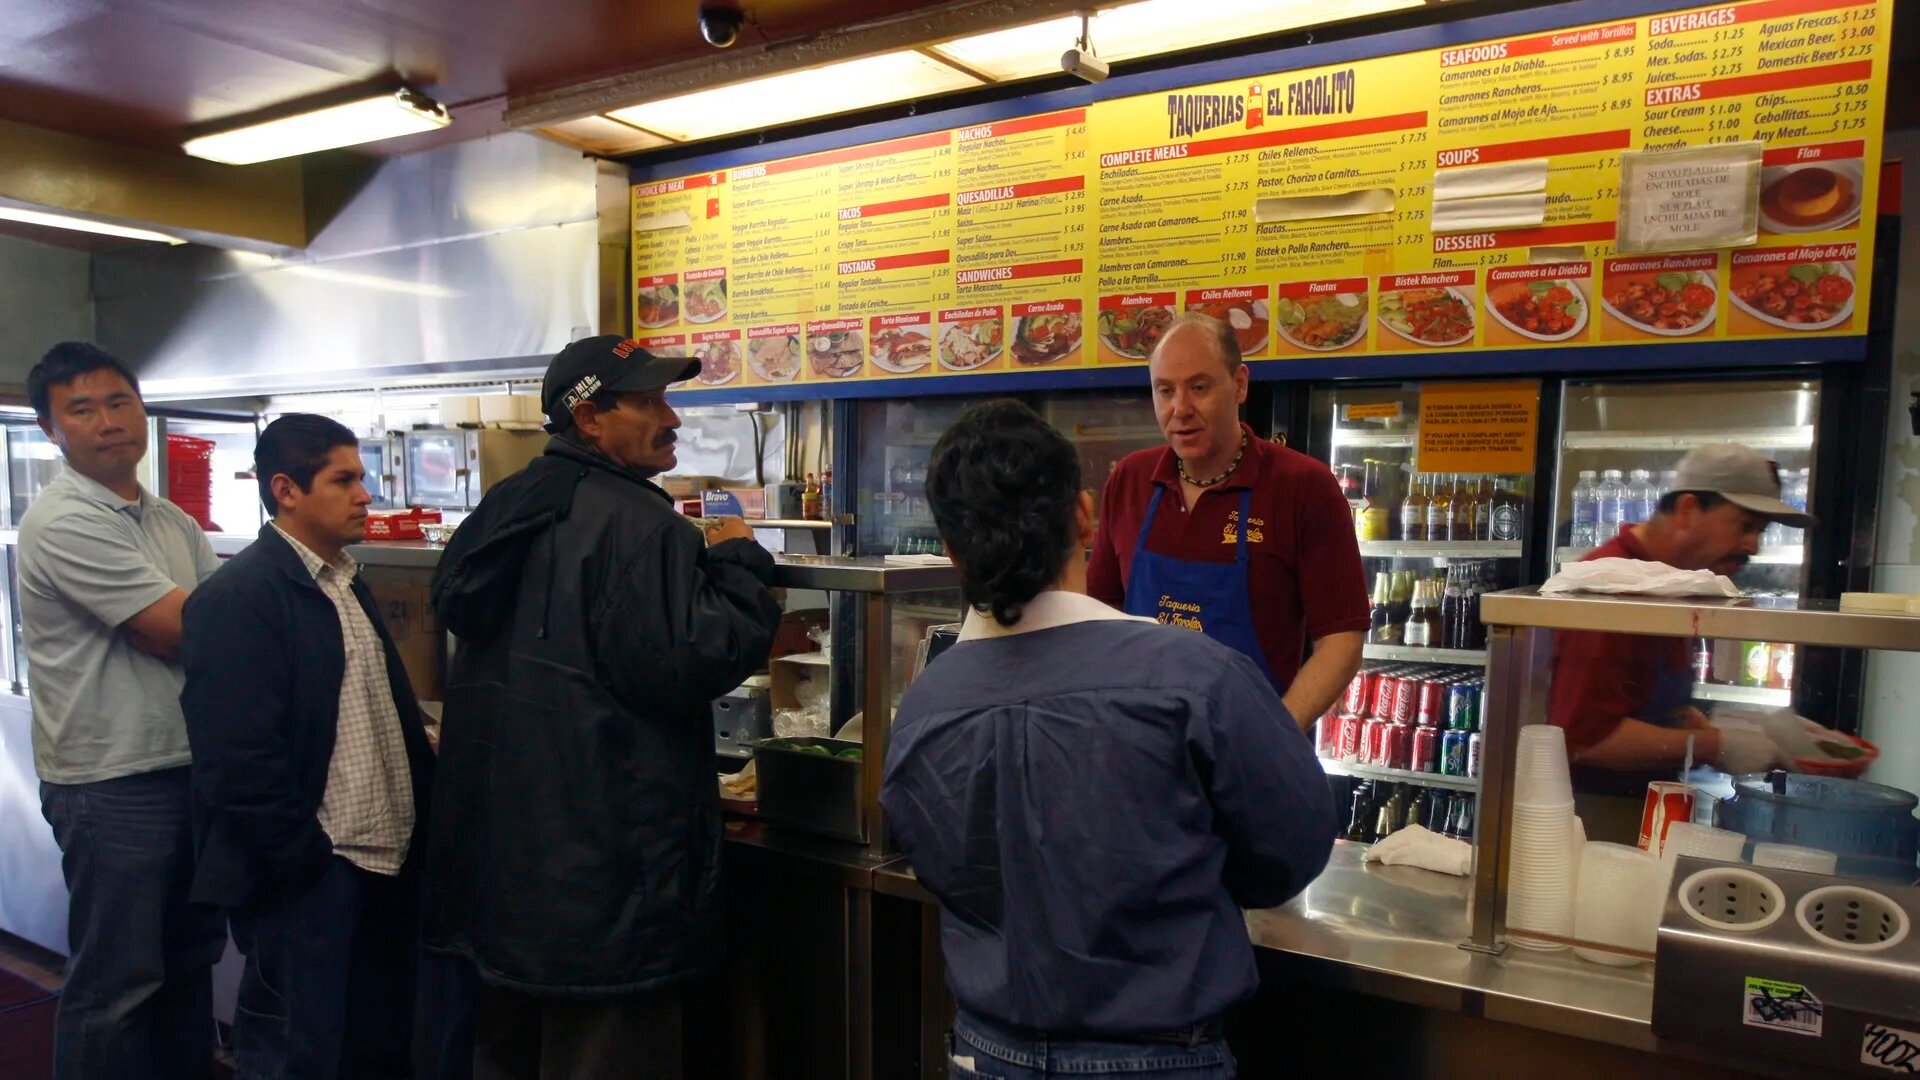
(1399,745)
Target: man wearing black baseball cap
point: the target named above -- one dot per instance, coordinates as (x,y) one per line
(573,852)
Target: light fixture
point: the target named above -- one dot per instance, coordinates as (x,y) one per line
(362,120)
(62,221)
(798,95)
(1148,28)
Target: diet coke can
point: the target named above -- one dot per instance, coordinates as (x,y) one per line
(1347,744)
(1425,754)
(1406,694)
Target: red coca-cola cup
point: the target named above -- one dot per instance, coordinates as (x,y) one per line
(1668,801)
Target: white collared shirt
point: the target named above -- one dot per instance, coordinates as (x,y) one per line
(367,809)
(1054,607)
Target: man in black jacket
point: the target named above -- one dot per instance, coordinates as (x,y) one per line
(310,774)
(574,857)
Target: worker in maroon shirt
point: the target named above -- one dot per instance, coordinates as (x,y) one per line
(1625,700)
(1226,533)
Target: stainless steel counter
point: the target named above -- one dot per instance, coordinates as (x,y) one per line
(1395,932)
(1805,622)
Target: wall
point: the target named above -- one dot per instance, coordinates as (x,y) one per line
(479,251)
(43,299)
(1893,679)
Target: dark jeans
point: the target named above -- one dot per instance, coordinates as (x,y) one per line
(983,1050)
(139,990)
(521,1037)
(329,984)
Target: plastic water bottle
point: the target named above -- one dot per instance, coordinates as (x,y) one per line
(1642,496)
(1586,512)
(1795,495)
(1613,504)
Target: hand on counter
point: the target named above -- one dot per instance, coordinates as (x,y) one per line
(729,528)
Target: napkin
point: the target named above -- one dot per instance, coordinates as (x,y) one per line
(1637,576)
(1415,846)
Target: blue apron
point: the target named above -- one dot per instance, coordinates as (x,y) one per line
(1213,598)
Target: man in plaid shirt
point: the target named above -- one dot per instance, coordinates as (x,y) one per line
(310,774)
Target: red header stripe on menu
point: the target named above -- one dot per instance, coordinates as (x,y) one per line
(918,318)
(1127,300)
(828,326)
(854,153)
(714,273)
(1810,253)
(1022,125)
(897,206)
(968,314)
(893,262)
(1226,294)
(1742,85)
(1729,15)
(660,340)
(1583,232)
(1021,191)
(1660,264)
(1046,307)
(1344,129)
(703,336)
(682,183)
(656,279)
(1431,279)
(1590,143)
(1833,151)
(1054,268)
(1507,50)
(1548,272)
(784,330)
(1301,290)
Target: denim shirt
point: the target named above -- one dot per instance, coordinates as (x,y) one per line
(1093,799)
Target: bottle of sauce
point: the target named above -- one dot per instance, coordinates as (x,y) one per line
(1440,509)
(1381,629)
(1370,521)
(810,499)
(1413,511)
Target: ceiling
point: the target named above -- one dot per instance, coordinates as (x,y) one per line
(137,72)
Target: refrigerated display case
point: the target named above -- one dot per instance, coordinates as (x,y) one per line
(1400,742)
(1616,430)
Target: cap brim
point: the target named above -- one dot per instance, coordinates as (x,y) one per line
(661,371)
(1771,509)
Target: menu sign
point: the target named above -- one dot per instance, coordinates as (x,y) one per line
(1495,194)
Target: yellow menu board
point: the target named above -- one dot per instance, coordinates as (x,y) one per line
(1457,199)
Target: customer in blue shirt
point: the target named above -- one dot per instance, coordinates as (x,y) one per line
(1092,797)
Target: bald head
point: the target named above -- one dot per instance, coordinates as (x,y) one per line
(1197,333)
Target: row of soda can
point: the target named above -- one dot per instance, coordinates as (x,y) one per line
(1416,717)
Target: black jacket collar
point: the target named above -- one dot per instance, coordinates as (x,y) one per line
(564,446)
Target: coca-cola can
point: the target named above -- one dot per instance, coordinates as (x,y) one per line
(1384,689)
(1668,801)
(1406,694)
(1425,755)
(1370,748)
(1348,743)
(1399,745)
(1326,733)
(1432,708)
(1354,702)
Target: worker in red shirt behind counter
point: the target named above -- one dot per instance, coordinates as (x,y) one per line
(1625,700)
(1226,533)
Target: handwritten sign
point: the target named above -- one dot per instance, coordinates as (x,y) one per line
(1782,1006)
(1890,1048)
(1478,427)
(1687,200)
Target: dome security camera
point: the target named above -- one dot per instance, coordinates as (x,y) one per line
(720,23)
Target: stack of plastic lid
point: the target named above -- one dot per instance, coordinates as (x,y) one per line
(1619,902)
(1546,839)
(1788,857)
(190,478)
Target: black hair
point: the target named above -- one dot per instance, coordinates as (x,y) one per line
(296,445)
(1709,501)
(66,362)
(1003,485)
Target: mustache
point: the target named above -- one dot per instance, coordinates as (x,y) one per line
(665,439)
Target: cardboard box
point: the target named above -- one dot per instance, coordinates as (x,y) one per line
(400,596)
(399,524)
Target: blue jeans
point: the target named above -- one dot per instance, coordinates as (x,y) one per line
(983,1050)
(138,1000)
(328,989)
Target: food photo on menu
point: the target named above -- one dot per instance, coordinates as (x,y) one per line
(1045,338)
(971,338)
(656,306)
(719,362)
(1801,289)
(1535,305)
(1131,326)
(1325,323)
(774,358)
(1248,317)
(904,348)
(1431,315)
(1811,197)
(1659,296)
(838,352)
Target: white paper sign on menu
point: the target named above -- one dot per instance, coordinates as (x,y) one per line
(1690,200)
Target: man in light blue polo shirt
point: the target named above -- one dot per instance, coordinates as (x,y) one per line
(105,567)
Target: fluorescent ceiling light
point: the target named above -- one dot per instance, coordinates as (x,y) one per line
(797,95)
(1146,28)
(62,221)
(369,119)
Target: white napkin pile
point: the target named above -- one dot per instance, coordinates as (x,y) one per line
(1639,577)
(1416,846)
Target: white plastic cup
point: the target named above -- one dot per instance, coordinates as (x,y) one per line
(1790,857)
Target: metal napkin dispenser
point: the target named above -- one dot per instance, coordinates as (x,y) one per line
(1785,965)
(743,718)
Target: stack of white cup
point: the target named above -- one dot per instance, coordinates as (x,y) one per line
(1618,901)
(1788,857)
(1545,846)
